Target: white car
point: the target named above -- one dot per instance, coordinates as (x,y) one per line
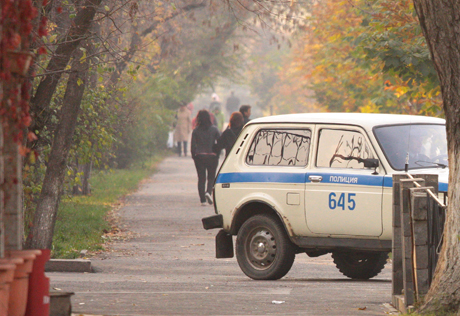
(319,183)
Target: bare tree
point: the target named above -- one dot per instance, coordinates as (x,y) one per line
(61,56)
(136,40)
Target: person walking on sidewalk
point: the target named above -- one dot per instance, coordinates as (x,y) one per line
(232,103)
(229,136)
(204,136)
(183,129)
(220,118)
(246,111)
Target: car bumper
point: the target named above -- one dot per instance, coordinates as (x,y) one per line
(211,222)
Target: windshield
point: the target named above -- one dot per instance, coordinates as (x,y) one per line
(425,144)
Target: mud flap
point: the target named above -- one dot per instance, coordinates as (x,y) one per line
(224,245)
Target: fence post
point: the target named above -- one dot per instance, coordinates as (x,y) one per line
(419,209)
(406,229)
(413,208)
(397,277)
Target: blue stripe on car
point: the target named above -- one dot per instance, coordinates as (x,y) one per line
(283,177)
(279,177)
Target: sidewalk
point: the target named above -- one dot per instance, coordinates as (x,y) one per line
(169,267)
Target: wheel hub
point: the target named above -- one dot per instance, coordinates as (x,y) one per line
(262,249)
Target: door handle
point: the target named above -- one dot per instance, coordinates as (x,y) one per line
(315,178)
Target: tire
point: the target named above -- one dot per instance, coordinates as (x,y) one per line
(360,265)
(263,249)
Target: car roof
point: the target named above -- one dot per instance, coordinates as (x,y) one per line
(366,120)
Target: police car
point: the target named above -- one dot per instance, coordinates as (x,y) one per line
(319,183)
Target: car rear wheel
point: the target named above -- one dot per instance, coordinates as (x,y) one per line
(360,265)
(263,249)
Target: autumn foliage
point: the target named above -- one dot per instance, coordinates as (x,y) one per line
(363,56)
(17,18)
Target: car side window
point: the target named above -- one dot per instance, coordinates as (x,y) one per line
(280,147)
(342,149)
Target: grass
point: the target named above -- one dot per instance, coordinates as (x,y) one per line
(81,220)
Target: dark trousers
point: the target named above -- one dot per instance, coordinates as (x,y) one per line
(203,164)
(179,148)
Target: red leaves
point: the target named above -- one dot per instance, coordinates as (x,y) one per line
(59,10)
(14,41)
(17,20)
(42,51)
(31,137)
(27,12)
(26,120)
(42,31)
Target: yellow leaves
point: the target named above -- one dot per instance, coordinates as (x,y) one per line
(83,57)
(52,38)
(320,68)
(401,90)
(50,26)
(369,108)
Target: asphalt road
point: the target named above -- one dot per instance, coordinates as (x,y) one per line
(169,267)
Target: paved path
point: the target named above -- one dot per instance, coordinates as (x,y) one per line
(170,269)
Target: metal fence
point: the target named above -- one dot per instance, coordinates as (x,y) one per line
(418,224)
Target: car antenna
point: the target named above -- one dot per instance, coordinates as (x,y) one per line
(406,165)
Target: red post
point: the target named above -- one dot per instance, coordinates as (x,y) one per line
(38,302)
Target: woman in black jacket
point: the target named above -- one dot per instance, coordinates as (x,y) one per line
(204,136)
(229,136)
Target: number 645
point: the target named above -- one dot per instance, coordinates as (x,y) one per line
(341,202)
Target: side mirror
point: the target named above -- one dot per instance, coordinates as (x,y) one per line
(371,163)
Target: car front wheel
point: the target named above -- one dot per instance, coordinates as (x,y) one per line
(360,265)
(263,249)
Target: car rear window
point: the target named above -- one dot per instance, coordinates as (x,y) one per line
(280,147)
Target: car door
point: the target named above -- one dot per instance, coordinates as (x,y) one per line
(343,197)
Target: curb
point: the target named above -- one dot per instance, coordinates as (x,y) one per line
(68,265)
(390,309)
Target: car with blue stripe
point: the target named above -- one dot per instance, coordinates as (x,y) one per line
(319,183)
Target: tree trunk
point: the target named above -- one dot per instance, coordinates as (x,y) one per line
(41,233)
(85,173)
(440,22)
(61,56)
(2,180)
